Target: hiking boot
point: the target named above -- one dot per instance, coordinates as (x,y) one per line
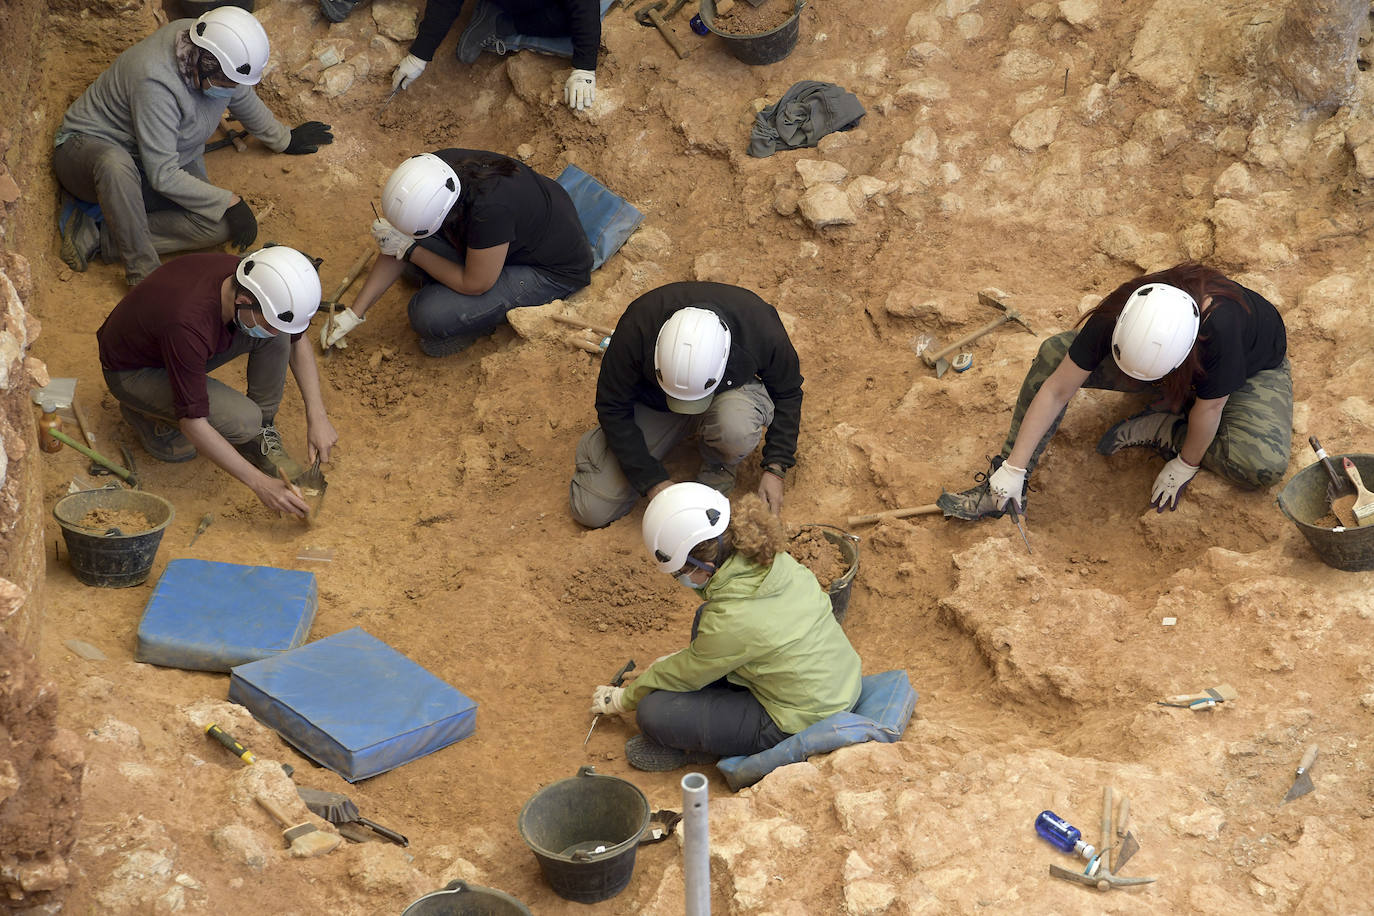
(976,502)
(267,453)
(447,346)
(1150,428)
(159,438)
(80,238)
(718,477)
(337,10)
(485,31)
(644,753)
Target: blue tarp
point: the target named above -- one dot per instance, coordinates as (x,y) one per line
(210,616)
(353,704)
(607,219)
(886,703)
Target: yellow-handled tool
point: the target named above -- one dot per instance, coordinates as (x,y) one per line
(224,738)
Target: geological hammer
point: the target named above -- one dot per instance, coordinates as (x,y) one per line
(937,359)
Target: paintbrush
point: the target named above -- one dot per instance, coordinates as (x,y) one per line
(1364,500)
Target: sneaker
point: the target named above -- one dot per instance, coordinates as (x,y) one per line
(718,477)
(976,502)
(267,453)
(1150,428)
(485,31)
(159,438)
(447,346)
(80,236)
(644,753)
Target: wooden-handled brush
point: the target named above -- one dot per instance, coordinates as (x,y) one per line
(305,839)
(1364,500)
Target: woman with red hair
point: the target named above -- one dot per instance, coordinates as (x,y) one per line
(1214,353)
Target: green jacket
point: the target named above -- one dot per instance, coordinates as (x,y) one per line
(771,629)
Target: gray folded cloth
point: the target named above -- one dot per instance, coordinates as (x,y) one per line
(804,114)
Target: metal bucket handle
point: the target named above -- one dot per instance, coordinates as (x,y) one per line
(653,836)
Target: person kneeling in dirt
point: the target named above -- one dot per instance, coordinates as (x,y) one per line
(704,358)
(488,233)
(193,315)
(562,28)
(767,658)
(1199,342)
(134,143)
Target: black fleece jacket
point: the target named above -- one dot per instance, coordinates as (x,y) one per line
(759,348)
(580,18)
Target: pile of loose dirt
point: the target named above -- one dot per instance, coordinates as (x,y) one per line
(126,520)
(744,19)
(816,552)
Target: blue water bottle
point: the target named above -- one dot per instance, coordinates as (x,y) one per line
(1062,835)
(698,26)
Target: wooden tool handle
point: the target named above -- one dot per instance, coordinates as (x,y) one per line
(1354,474)
(232,135)
(1123,822)
(1106,849)
(352,275)
(277,813)
(585,345)
(893,513)
(579,323)
(668,35)
(1308,758)
(961,342)
(80,415)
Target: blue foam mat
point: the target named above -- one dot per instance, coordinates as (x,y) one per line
(209,616)
(353,704)
(608,219)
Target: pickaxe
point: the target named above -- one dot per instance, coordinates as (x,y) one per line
(937,359)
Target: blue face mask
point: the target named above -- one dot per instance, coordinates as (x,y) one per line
(220,92)
(686,579)
(257,331)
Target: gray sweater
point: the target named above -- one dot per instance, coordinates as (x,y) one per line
(141,103)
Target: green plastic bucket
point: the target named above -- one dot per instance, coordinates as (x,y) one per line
(1303,500)
(584,831)
(112,558)
(462,899)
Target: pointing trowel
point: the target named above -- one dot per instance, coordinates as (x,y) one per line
(1303,784)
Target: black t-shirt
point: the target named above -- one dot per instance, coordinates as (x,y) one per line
(530,212)
(1233,344)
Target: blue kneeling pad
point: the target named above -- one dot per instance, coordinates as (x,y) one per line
(607,219)
(210,616)
(352,703)
(886,704)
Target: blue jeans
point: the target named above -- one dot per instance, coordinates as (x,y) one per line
(437,312)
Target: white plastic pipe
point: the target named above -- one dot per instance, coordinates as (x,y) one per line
(696,844)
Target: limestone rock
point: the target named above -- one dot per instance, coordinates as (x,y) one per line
(1036,130)
(927,89)
(1020,65)
(1236,183)
(826,205)
(815,171)
(384,868)
(1206,822)
(396,19)
(337,80)
(241,845)
(1167,46)
(923,26)
(969,26)
(1161,130)
(715,267)
(1093,104)
(861,189)
(1244,235)
(1081,14)
(1196,241)
(1316,48)
(860,811)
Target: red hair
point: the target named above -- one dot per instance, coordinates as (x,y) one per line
(1196,280)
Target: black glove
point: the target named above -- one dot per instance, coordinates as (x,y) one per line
(308,138)
(243,225)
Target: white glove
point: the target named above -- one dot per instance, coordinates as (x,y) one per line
(1007,483)
(344,322)
(580,89)
(407,72)
(608,701)
(391,240)
(1170,483)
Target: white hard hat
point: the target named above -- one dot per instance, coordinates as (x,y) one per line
(238,41)
(680,518)
(690,354)
(285,284)
(1155,331)
(419,194)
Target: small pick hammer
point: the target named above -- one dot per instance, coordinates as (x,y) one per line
(938,359)
(615,682)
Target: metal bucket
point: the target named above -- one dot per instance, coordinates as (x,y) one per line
(462,899)
(762,47)
(112,559)
(841,588)
(1303,500)
(584,831)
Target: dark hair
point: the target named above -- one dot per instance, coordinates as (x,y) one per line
(475,174)
(1197,281)
(754,531)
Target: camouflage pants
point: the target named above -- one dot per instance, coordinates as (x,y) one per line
(1253,440)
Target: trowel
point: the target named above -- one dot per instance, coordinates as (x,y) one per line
(1303,784)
